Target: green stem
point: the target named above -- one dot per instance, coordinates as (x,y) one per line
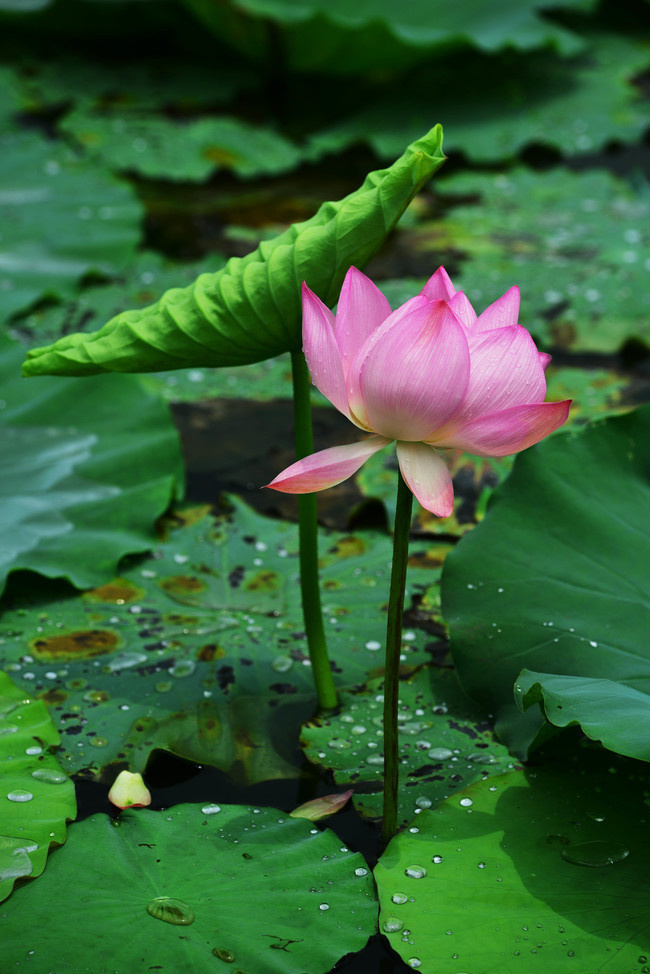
(393,649)
(308,533)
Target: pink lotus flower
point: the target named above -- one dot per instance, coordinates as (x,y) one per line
(431,375)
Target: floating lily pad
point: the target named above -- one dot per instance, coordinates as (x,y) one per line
(82,485)
(541,870)
(445,743)
(37,798)
(162,148)
(196,648)
(333,37)
(200,888)
(61,217)
(576,243)
(555,580)
(497,106)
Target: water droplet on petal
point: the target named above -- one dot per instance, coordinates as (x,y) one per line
(597,853)
(171,911)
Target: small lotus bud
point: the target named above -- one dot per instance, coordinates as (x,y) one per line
(129,791)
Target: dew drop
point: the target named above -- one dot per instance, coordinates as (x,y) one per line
(399,898)
(466,802)
(415,872)
(373,645)
(51,777)
(171,911)
(323,907)
(597,853)
(423,802)
(282,664)
(440,753)
(392,925)
(20,795)
(414,962)
(224,954)
(436,859)
(184,667)
(33,750)
(360,871)
(211,809)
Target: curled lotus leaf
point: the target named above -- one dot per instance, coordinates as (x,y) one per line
(250,309)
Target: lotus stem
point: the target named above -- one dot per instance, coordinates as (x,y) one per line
(393,649)
(308,538)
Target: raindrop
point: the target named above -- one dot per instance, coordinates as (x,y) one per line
(466,802)
(597,853)
(20,795)
(423,802)
(33,750)
(436,859)
(481,865)
(211,809)
(171,911)
(360,871)
(339,744)
(281,664)
(184,667)
(51,777)
(224,954)
(440,753)
(323,907)
(392,925)
(373,645)
(399,898)
(415,872)
(414,962)
(375,759)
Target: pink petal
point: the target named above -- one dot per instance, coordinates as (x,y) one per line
(327,467)
(361,309)
(462,308)
(427,477)
(505,370)
(544,359)
(355,401)
(414,375)
(439,286)
(321,350)
(504,312)
(509,430)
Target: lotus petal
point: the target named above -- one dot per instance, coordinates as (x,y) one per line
(327,467)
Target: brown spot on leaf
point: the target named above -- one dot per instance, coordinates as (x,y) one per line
(182,584)
(210,651)
(118,591)
(265,581)
(348,547)
(221,156)
(74,645)
(54,696)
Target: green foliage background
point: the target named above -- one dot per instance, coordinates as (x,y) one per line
(147,143)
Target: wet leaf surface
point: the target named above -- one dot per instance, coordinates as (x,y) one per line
(554,581)
(37,798)
(543,869)
(198,648)
(445,743)
(254,891)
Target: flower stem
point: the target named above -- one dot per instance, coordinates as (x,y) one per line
(308,534)
(393,648)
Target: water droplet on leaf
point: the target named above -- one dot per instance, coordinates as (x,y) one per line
(171,911)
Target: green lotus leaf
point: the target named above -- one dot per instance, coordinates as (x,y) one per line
(554,580)
(87,469)
(37,798)
(537,870)
(201,888)
(251,309)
